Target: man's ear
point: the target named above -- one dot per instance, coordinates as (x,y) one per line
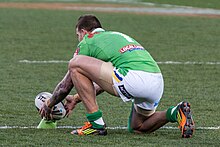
(84,31)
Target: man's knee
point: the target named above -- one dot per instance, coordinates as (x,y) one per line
(74,62)
(137,121)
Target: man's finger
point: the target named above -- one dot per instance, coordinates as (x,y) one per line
(42,113)
(68,113)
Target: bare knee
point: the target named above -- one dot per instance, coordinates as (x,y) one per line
(75,62)
(138,128)
(137,123)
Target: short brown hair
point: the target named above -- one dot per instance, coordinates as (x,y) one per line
(88,22)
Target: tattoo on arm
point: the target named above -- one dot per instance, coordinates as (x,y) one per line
(61,90)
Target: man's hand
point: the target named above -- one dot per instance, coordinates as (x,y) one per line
(71,101)
(45,112)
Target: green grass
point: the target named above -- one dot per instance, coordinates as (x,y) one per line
(49,35)
(215,4)
(118,138)
(194,3)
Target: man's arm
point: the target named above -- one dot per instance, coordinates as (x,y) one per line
(61,91)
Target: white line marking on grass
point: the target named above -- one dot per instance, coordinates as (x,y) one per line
(190,62)
(168,10)
(42,62)
(110,128)
(162,62)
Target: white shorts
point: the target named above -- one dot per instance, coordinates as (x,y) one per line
(144,88)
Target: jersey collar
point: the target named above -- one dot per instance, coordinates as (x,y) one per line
(98,30)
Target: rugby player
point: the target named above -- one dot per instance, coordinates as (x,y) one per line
(116,63)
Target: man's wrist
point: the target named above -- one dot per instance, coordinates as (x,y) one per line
(48,103)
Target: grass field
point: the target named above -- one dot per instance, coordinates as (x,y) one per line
(193,3)
(215,4)
(49,35)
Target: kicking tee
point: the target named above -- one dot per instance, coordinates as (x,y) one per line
(122,51)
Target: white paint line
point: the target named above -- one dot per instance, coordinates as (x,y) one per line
(168,10)
(190,62)
(110,128)
(42,62)
(164,62)
(130,2)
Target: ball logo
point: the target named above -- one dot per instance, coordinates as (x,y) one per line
(42,98)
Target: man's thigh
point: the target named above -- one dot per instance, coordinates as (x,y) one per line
(96,70)
(105,79)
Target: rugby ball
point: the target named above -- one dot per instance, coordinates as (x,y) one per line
(58,111)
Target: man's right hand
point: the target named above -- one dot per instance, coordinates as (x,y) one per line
(45,112)
(70,103)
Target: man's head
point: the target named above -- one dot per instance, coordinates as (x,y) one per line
(85,24)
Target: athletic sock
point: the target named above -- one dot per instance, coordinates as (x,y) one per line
(96,119)
(171,114)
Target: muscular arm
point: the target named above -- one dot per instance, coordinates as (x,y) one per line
(61,90)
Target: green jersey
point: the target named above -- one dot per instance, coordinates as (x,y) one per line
(121,50)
